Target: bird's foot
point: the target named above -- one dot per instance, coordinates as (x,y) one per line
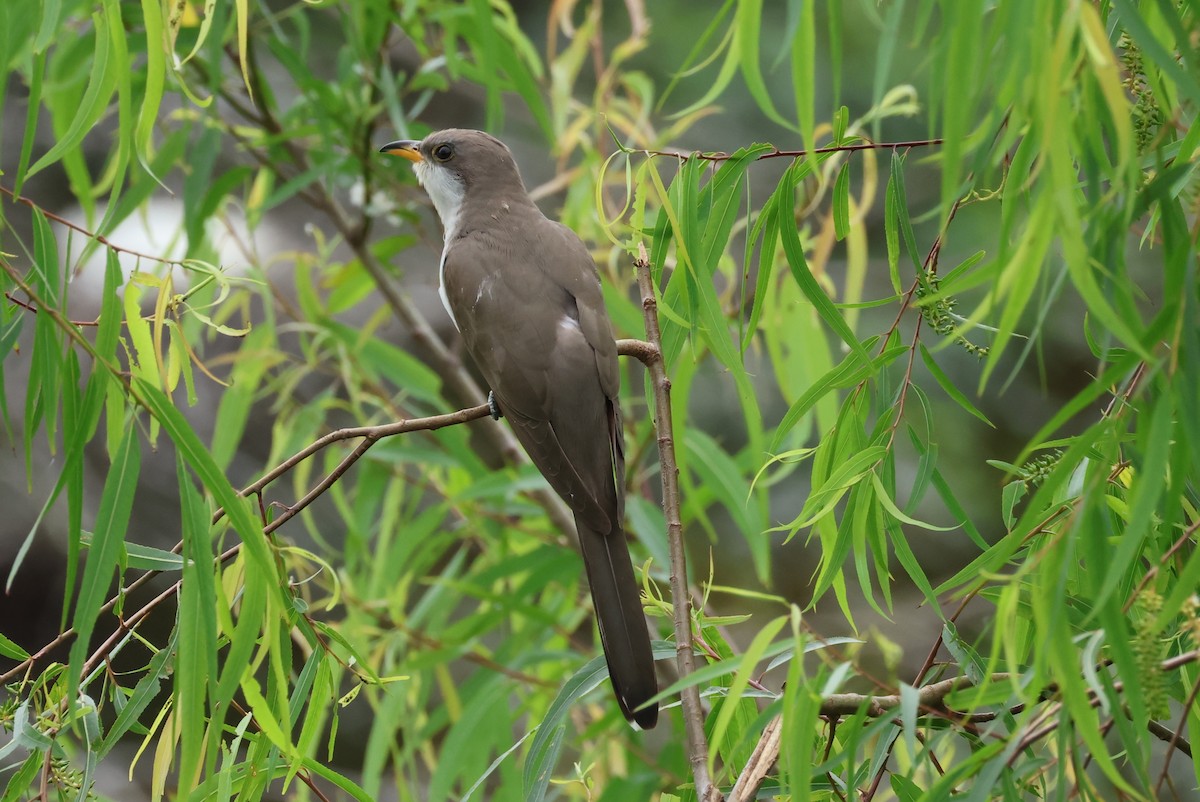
(493,406)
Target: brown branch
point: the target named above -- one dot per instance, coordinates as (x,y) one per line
(31,308)
(44,785)
(1032,737)
(641,350)
(693,713)
(1174,738)
(307,779)
(370,435)
(776,153)
(931,698)
(1153,572)
(125,626)
(761,761)
(937,644)
(829,741)
(100,238)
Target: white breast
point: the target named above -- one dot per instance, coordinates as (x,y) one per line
(446,190)
(442,287)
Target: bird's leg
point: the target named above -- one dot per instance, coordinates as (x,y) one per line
(493,406)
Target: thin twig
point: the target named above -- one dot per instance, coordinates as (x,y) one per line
(31,308)
(1174,738)
(720,156)
(1153,572)
(693,713)
(829,741)
(1171,664)
(100,238)
(937,644)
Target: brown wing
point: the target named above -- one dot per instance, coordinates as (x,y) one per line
(541,337)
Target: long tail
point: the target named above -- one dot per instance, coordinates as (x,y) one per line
(623,630)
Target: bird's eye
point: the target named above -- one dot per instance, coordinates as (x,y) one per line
(443,153)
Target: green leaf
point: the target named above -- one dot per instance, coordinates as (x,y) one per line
(101,84)
(234,409)
(547,745)
(504,52)
(33,108)
(900,209)
(145,359)
(199,460)
(145,692)
(12,650)
(156,70)
(23,550)
(1134,22)
(841,203)
(342,782)
(848,372)
(265,718)
(799,265)
(803,69)
(112,519)
(948,387)
(798,731)
(747,663)
(1145,495)
(729,67)
(889,35)
(891,233)
(22,780)
(196,622)
(822,499)
(888,504)
(747,23)
(144,558)
(705,675)
(720,474)
(543,754)
(243,638)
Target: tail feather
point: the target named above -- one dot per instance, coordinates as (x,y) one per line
(623,631)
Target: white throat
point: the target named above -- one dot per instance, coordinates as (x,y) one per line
(447,191)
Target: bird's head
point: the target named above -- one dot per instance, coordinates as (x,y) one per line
(455,164)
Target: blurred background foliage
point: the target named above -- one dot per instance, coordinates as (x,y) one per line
(934,401)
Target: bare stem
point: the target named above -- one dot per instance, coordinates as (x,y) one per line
(693,713)
(720,156)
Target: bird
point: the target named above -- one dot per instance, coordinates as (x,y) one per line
(524,293)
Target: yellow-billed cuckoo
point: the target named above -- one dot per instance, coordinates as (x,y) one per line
(524,292)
